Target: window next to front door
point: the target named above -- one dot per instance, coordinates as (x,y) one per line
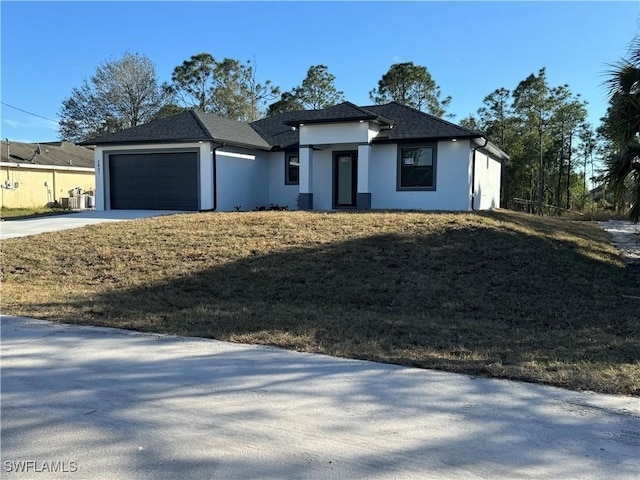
(417,167)
(291,168)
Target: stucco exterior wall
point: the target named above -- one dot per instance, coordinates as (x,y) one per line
(251,178)
(279,193)
(322,179)
(325,134)
(487,182)
(242,182)
(32,191)
(453,179)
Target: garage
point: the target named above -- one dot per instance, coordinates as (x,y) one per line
(154,181)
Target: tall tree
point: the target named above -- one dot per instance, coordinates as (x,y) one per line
(538,125)
(410,85)
(122,93)
(237,93)
(471,122)
(318,89)
(621,127)
(258,94)
(193,81)
(229,94)
(168,110)
(587,147)
(569,113)
(497,120)
(497,116)
(288,102)
(227,88)
(533,105)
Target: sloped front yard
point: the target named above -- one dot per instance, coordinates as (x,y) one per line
(501,294)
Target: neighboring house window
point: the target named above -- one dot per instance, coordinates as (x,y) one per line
(417,167)
(291,169)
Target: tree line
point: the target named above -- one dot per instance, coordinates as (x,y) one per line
(542,127)
(126,92)
(545,131)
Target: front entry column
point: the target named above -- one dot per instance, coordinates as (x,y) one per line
(364,193)
(305,191)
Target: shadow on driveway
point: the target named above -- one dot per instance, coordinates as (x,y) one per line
(122,404)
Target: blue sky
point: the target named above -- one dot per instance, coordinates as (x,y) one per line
(470,48)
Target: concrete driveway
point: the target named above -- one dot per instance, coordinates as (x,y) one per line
(105,403)
(33,226)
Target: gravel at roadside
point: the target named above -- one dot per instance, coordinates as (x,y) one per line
(626,238)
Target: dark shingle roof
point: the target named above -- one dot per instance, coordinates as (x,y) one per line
(188,126)
(343,112)
(277,129)
(280,132)
(412,124)
(230,131)
(62,154)
(408,123)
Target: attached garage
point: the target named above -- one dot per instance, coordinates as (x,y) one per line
(154,181)
(171,164)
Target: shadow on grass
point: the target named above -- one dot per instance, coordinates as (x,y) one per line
(487,301)
(55,213)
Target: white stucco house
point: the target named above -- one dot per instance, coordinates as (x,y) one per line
(342,157)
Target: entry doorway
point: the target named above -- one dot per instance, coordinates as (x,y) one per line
(345,179)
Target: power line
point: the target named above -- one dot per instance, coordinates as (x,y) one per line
(24,111)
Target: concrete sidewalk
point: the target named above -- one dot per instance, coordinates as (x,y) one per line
(115,404)
(34,226)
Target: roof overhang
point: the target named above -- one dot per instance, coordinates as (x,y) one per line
(483,143)
(422,139)
(377,119)
(176,141)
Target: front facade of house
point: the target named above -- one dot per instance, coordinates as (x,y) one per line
(343,157)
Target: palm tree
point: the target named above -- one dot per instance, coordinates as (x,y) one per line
(622,126)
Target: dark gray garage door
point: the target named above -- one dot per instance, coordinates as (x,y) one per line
(154,181)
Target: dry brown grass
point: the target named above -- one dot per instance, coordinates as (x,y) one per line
(28,212)
(502,294)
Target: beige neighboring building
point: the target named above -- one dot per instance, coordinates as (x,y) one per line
(35,175)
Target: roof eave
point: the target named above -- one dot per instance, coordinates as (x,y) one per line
(368,118)
(143,142)
(266,147)
(492,149)
(425,139)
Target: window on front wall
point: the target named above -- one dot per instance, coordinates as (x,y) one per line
(417,167)
(291,169)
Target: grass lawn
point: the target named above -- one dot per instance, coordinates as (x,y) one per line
(499,294)
(19,213)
